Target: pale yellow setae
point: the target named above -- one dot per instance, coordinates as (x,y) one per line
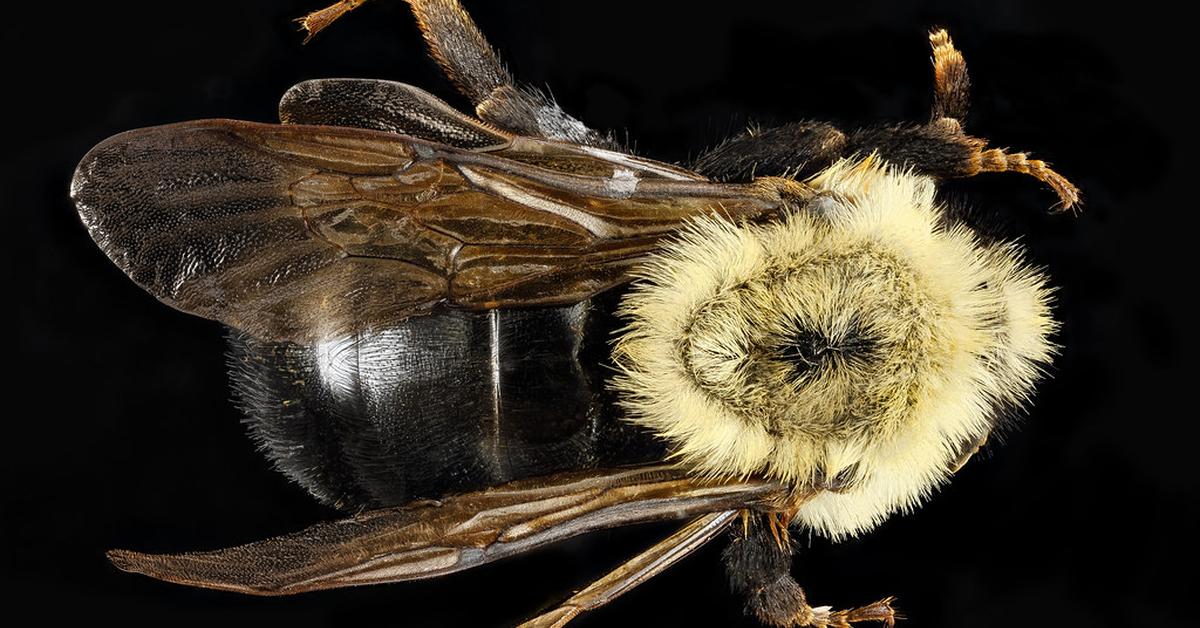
(854,348)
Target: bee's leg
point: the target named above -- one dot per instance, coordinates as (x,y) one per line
(454,41)
(759,568)
(941,150)
(460,48)
(792,150)
(475,69)
(800,149)
(938,149)
(951,83)
(318,20)
(637,570)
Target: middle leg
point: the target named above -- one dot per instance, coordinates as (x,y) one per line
(759,568)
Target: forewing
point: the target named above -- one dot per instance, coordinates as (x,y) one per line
(211,218)
(306,232)
(430,539)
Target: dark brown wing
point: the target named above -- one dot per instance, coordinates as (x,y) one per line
(430,539)
(296,232)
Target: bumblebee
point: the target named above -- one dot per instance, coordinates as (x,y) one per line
(482,334)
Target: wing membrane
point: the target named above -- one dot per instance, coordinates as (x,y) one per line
(430,539)
(385,106)
(293,232)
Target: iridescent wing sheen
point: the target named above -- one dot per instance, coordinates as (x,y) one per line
(297,232)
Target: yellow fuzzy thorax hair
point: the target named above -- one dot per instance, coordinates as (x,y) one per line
(852,348)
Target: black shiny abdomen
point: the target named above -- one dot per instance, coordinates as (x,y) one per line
(438,404)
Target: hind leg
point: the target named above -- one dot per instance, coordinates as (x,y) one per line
(464,54)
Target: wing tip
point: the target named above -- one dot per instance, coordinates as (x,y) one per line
(195,570)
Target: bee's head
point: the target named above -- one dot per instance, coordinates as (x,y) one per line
(858,349)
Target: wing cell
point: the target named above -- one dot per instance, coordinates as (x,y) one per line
(293,232)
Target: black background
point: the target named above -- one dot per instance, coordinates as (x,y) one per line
(119,431)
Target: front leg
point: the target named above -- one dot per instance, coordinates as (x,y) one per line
(759,562)
(939,149)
